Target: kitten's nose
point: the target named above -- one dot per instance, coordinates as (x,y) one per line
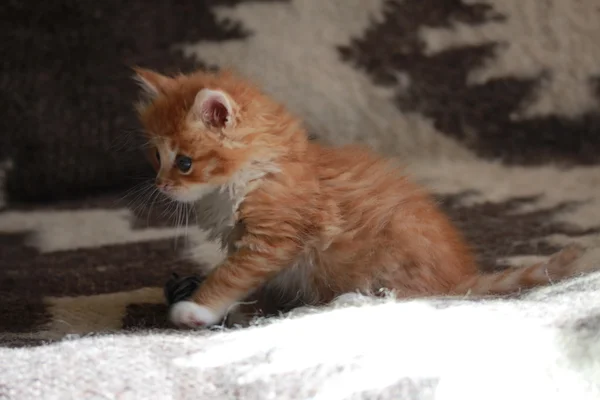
(161,184)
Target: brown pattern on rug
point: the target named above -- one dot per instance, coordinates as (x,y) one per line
(28,277)
(481,116)
(500,230)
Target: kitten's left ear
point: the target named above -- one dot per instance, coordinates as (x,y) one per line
(152,83)
(215,109)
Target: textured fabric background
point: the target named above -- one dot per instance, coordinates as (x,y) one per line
(493,104)
(512,80)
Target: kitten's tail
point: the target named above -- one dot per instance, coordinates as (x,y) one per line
(559,266)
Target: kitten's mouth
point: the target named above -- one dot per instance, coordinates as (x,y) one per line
(181,196)
(186,195)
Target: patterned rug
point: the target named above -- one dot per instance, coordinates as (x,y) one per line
(493,104)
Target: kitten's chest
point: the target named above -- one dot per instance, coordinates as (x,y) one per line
(216,215)
(296,283)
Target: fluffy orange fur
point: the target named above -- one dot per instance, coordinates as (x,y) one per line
(304,221)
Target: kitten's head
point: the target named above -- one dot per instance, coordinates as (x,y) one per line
(203,129)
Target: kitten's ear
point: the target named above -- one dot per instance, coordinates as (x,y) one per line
(215,109)
(152,83)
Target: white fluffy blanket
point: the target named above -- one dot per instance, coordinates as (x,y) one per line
(543,345)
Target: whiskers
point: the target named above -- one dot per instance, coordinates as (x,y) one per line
(180,214)
(149,204)
(129,140)
(139,196)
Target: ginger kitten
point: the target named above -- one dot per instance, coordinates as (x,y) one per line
(305,222)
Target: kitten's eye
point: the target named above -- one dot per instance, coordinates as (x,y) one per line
(157,156)
(184,163)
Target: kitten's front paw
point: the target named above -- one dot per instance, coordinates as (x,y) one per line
(187,314)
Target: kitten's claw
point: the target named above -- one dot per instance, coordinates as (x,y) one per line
(187,314)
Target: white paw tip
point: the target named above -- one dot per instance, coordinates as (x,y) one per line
(191,315)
